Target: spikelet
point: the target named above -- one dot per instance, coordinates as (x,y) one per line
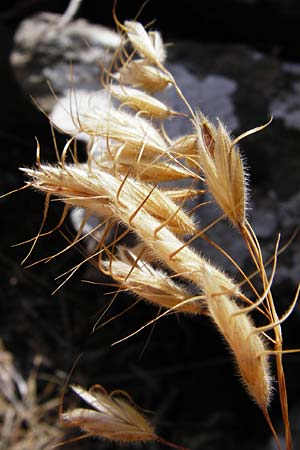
(223,169)
(99,193)
(112,417)
(148,283)
(139,100)
(150,170)
(247,346)
(148,45)
(133,131)
(96,117)
(144,76)
(179,195)
(155,170)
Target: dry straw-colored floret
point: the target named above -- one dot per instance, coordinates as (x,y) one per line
(140,101)
(149,45)
(142,75)
(133,274)
(223,169)
(248,347)
(157,170)
(133,131)
(186,146)
(112,417)
(102,193)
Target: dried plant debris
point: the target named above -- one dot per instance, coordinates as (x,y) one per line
(125,182)
(26,421)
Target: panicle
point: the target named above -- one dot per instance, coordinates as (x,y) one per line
(129,160)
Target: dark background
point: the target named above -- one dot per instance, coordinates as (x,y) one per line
(184,373)
(267,25)
(270,25)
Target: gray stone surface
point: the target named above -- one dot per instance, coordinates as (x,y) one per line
(68,57)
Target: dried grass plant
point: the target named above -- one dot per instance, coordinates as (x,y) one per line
(28,417)
(130,157)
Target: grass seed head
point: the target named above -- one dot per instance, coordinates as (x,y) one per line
(112,417)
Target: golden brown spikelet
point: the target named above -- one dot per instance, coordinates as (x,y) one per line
(133,131)
(142,75)
(161,172)
(223,170)
(148,45)
(139,100)
(179,195)
(99,192)
(112,417)
(149,283)
(146,169)
(248,347)
(59,182)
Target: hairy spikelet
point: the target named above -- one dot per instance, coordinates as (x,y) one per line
(112,417)
(142,75)
(132,131)
(140,101)
(134,275)
(247,346)
(100,192)
(223,169)
(148,45)
(179,195)
(96,117)
(150,170)
(186,262)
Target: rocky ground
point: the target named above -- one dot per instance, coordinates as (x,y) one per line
(180,370)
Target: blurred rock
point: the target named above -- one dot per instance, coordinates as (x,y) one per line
(66,57)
